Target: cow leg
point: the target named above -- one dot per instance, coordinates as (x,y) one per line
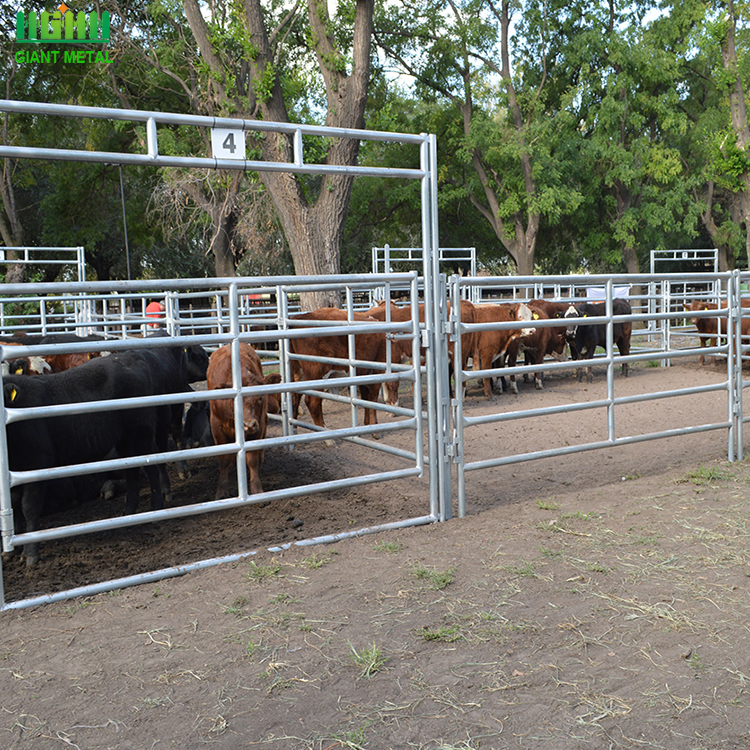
(486,381)
(225,465)
(296,400)
(253,461)
(132,497)
(511,360)
(166,487)
(314,405)
(624,349)
(32,500)
(370,393)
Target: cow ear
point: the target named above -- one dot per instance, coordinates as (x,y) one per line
(10,393)
(272,379)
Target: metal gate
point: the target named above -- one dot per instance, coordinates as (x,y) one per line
(428,455)
(734,348)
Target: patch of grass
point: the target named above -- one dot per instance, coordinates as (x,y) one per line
(316,561)
(235,608)
(389,547)
(525,570)
(369,660)
(250,648)
(154,703)
(548,505)
(352,739)
(443,633)
(706,475)
(435,579)
(546,552)
(696,663)
(260,573)
(578,516)
(598,568)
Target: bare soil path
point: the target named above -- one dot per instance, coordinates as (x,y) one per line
(595,601)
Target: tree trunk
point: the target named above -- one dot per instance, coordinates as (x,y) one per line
(221,245)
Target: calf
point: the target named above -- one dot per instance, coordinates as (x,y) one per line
(586,338)
(47,442)
(491,344)
(254,412)
(369,347)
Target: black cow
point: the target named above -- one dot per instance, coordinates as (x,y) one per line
(195,358)
(47,442)
(189,364)
(196,428)
(584,339)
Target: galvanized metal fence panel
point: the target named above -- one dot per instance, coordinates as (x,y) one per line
(211,333)
(730,348)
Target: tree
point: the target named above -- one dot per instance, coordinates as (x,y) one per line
(506,132)
(266,61)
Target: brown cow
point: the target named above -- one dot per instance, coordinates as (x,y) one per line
(369,347)
(255,411)
(543,341)
(401,313)
(491,344)
(707,327)
(401,349)
(47,364)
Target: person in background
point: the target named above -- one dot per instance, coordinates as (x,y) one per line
(155,309)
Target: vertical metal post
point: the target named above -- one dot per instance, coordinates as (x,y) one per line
(734,366)
(458,399)
(352,349)
(125,224)
(416,359)
(153,147)
(664,324)
(6,506)
(285,367)
(609,312)
(436,354)
(239,422)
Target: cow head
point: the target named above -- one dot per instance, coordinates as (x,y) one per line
(695,306)
(571,314)
(525,314)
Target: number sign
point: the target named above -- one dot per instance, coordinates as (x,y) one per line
(228,144)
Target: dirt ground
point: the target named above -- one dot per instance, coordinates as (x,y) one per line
(598,600)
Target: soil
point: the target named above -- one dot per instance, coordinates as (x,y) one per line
(596,600)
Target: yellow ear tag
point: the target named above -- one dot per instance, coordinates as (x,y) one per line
(13,394)
(18,370)
(535,316)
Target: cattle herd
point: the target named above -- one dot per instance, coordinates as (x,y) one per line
(88,434)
